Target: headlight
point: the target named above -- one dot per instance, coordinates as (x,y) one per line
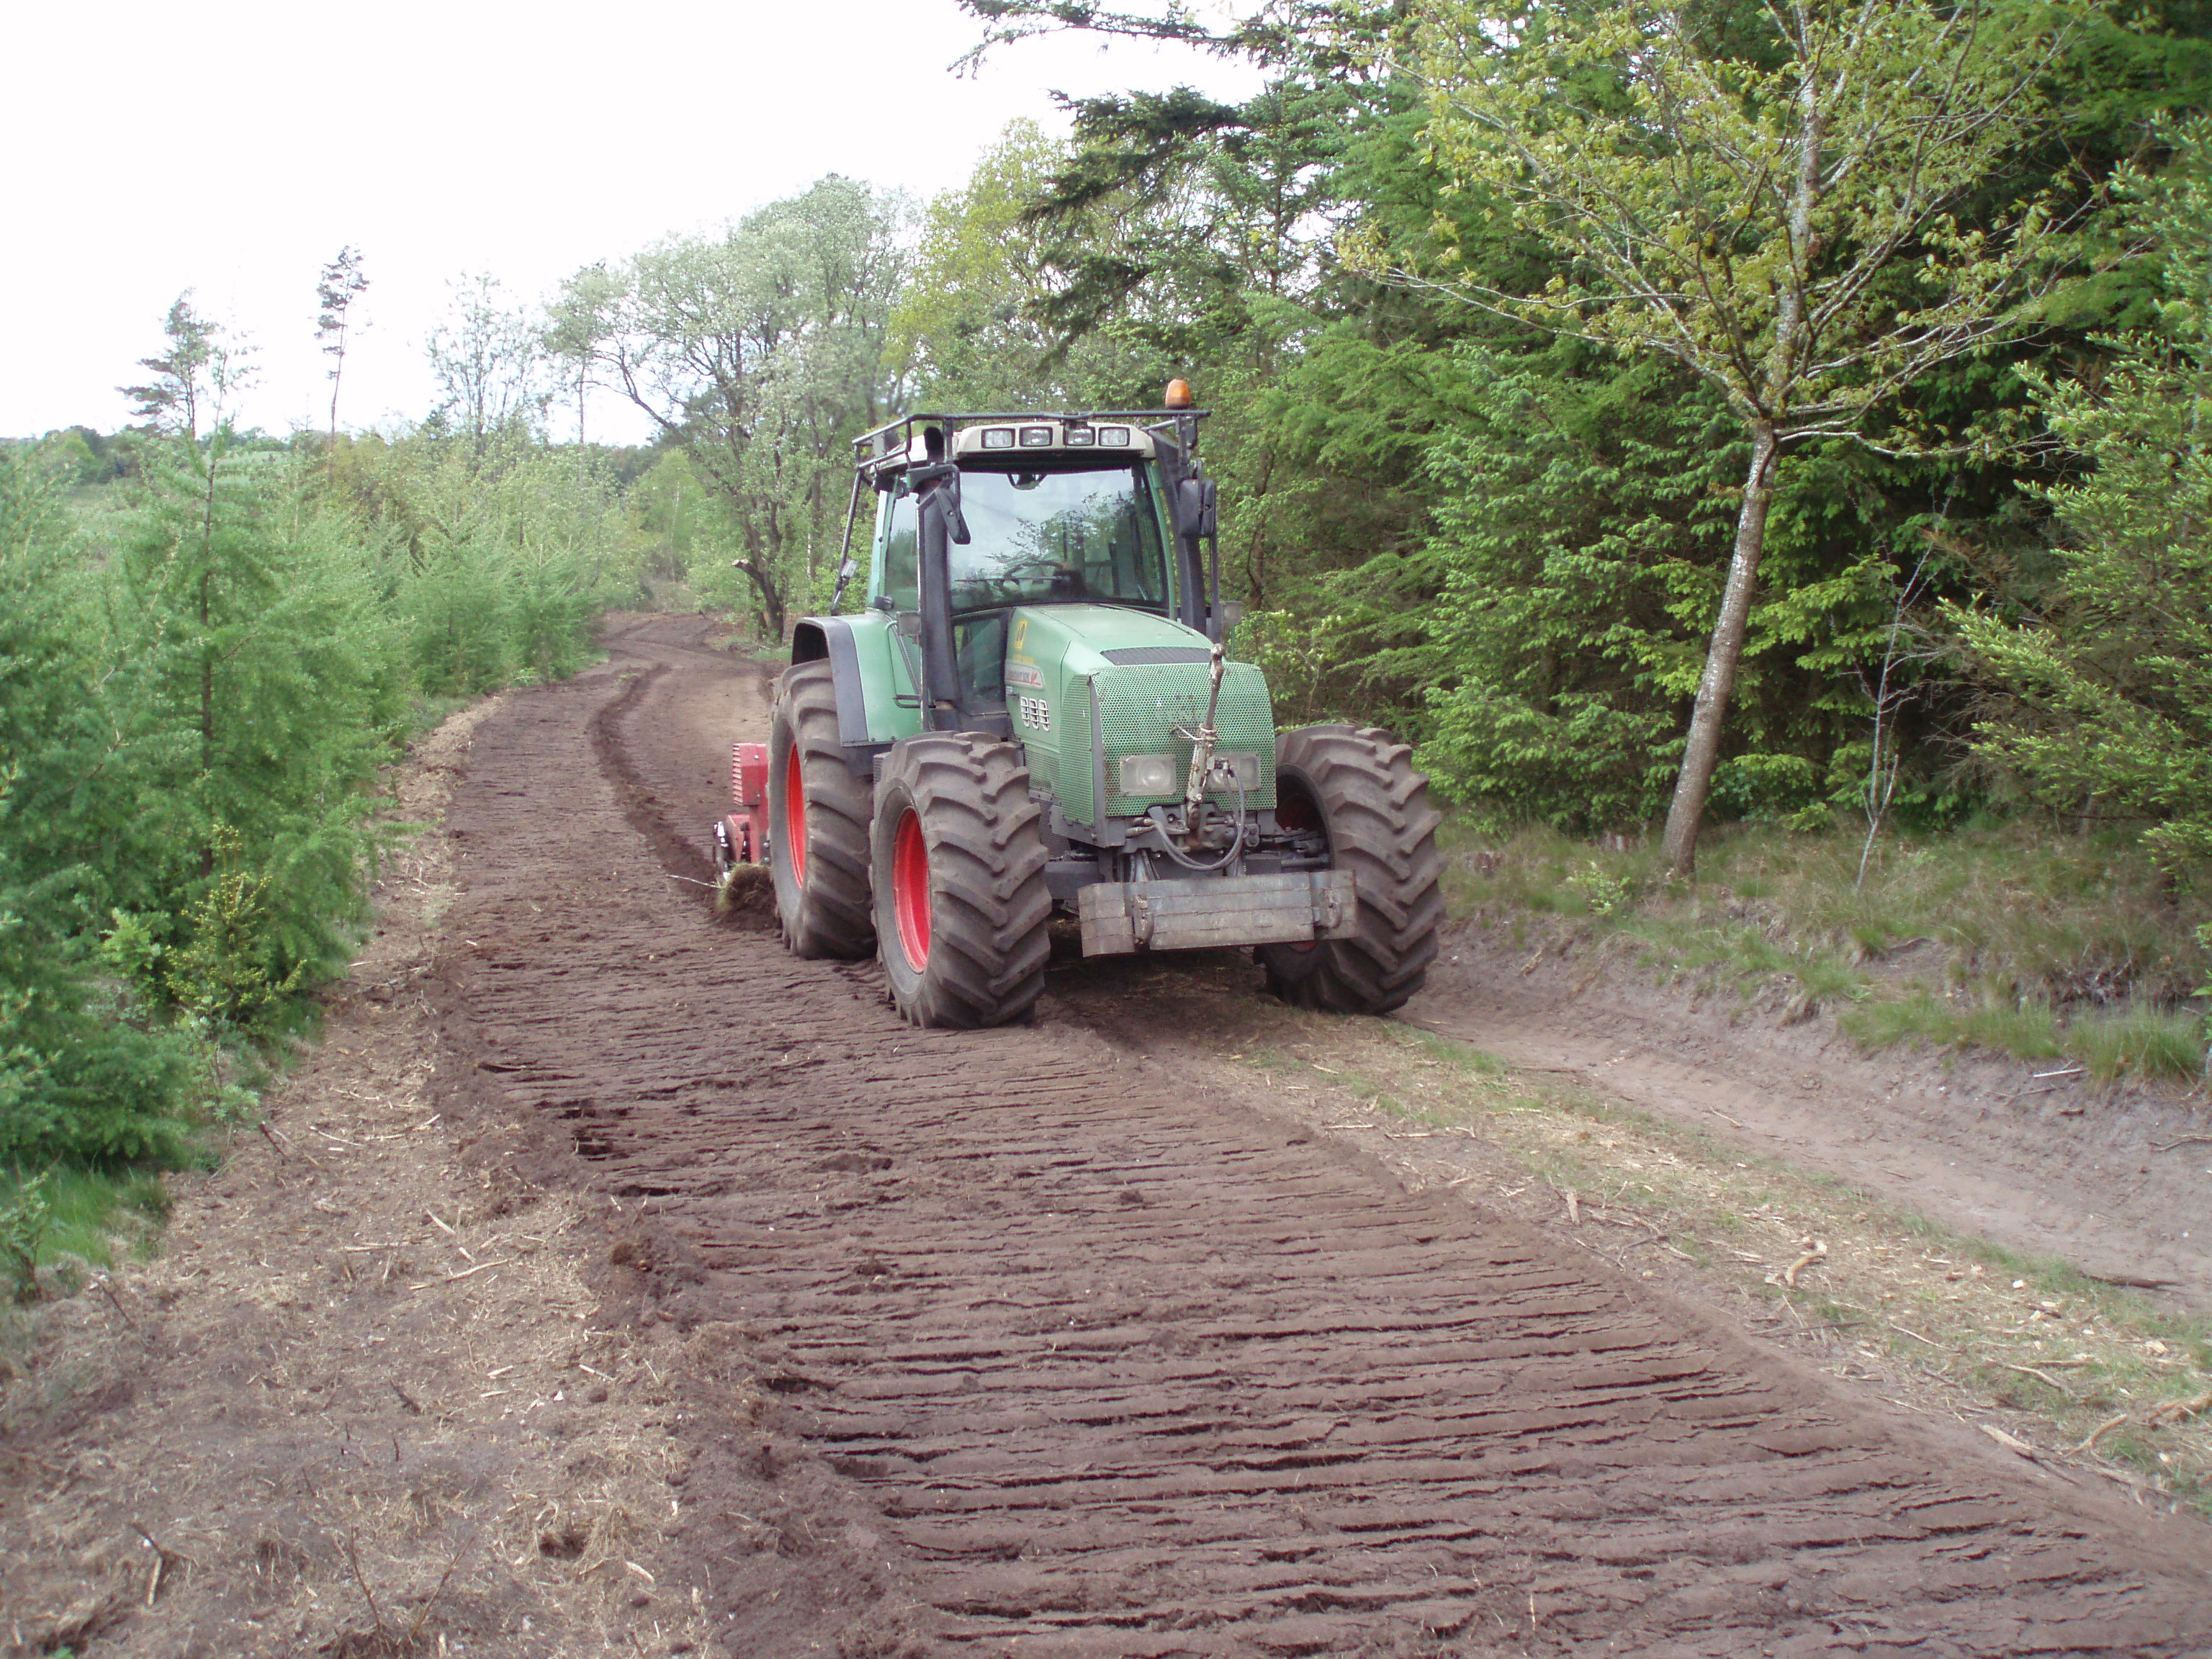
(1148,774)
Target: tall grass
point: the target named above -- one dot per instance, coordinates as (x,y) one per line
(2004,937)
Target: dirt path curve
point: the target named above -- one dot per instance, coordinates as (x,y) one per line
(1109,1365)
(2024,1154)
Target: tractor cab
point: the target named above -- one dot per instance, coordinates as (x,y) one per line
(1053,516)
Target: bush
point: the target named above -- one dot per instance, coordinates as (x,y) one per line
(2107,695)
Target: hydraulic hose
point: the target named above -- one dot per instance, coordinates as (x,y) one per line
(1158,817)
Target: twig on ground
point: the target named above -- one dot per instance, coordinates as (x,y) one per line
(2179,1410)
(353,1559)
(100,1283)
(1815,1249)
(415,1629)
(2101,1431)
(1915,1335)
(466,1273)
(2185,1140)
(1573,1207)
(2010,1442)
(163,1556)
(2047,1381)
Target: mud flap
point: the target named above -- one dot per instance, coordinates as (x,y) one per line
(1122,916)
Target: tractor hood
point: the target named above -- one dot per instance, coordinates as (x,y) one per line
(1089,638)
(1088,685)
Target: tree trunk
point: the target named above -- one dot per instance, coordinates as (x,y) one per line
(1702,753)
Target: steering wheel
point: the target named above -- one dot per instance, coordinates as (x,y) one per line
(1008,578)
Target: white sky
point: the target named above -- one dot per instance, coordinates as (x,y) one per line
(234,149)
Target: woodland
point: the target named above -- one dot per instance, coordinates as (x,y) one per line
(1776,425)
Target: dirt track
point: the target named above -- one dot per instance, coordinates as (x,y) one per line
(1082,1357)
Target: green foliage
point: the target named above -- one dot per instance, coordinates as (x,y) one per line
(199,683)
(2104,701)
(25,1221)
(1579,559)
(79,1077)
(759,353)
(1513,549)
(81,1217)
(967,331)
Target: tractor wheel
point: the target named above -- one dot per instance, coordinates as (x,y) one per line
(817,822)
(1358,785)
(961,900)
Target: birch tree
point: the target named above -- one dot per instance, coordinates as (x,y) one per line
(485,357)
(758,353)
(1778,199)
(342,282)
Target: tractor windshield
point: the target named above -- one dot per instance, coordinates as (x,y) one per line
(1039,536)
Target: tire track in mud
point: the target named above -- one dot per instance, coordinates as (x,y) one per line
(1126,1370)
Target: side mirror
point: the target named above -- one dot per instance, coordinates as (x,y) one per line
(1195,506)
(956,521)
(1232,612)
(847,570)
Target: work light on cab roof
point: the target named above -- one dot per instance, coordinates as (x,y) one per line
(1035,709)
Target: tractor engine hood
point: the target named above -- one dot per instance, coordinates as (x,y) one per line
(1089,686)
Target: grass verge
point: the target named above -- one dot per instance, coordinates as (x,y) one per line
(2033,943)
(2050,1363)
(67,1221)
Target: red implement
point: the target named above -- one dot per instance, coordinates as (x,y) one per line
(740,835)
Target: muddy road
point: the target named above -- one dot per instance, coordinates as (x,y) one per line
(1076,1353)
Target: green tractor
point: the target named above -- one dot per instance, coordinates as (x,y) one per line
(1034,712)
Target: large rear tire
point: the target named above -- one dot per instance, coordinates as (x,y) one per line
(1358,785)
(817,822)
(961,902)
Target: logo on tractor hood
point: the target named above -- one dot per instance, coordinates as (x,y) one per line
(1021,673)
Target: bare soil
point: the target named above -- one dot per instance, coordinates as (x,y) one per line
(2114,1182)
(1113,1358)
(1070,1338)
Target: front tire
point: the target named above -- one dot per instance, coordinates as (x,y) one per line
(961,902)
(1358,785)
(817,822)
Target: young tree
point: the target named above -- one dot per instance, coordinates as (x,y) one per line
(77,1079)
(1773,198)
(342,282)
(577,325)
(485,357)
(198,376)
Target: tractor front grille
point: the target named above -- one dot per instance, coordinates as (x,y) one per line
(1137,712)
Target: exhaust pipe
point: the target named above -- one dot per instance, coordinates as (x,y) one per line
(939,521)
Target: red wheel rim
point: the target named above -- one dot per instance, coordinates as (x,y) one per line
(910,890)
(795,816)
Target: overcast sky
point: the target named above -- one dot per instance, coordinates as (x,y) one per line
(233,149)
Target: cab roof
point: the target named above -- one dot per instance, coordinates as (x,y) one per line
(1066,436)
